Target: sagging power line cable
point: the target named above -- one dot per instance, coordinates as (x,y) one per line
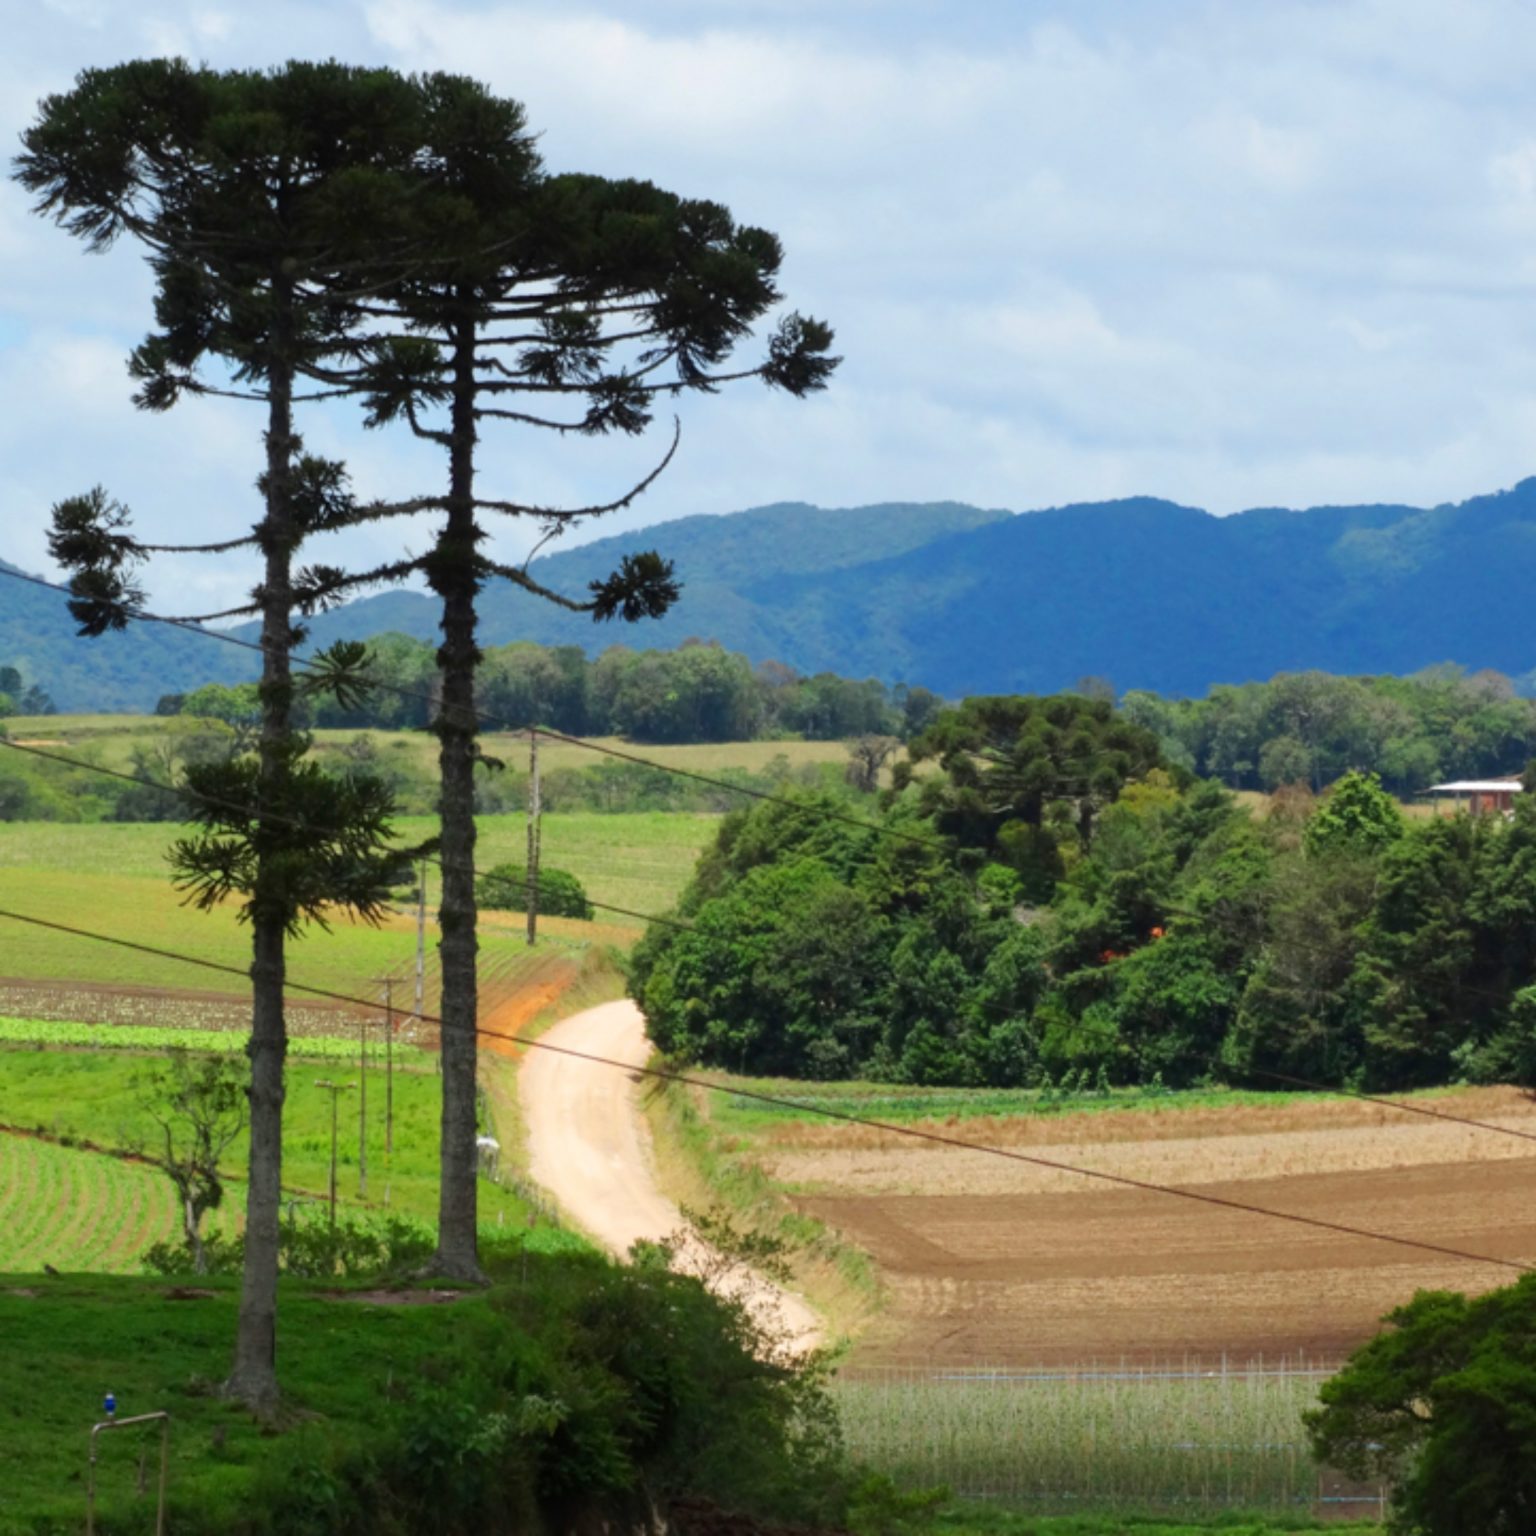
(1003,1014)
(937,1138)
(1077,1029)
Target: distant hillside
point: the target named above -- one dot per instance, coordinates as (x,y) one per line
(1147,593)
(120,672)
(718,559)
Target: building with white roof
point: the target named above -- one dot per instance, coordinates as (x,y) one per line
(1480,796)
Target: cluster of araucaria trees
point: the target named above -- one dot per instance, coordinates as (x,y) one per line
(1055,901)
(324,233)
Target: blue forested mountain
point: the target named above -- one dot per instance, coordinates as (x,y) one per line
(728,565)
(126,671)
(1147,593)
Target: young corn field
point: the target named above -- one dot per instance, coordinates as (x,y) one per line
(1102,1439)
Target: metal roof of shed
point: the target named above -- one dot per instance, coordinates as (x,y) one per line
(1477,787)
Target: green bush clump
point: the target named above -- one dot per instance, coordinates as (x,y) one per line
(309,1246)
(584,1390)
(505,887)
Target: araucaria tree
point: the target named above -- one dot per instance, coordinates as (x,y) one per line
(569,305)
(261,199)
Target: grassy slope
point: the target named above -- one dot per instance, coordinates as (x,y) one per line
(67,1341)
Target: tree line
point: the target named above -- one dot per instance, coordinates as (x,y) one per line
(1311,727)
(697,692)
(1053,900)
(1298,727)
(19,697)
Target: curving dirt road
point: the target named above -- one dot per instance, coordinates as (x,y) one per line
(589,1146)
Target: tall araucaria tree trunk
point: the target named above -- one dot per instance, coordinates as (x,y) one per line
(454,576)
(254,1377)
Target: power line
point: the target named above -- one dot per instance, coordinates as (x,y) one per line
(826,812)
(1001,1013)
(913,1132)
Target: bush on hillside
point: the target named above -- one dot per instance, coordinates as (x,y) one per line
(505,888)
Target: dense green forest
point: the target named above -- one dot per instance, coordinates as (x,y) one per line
(1059,903)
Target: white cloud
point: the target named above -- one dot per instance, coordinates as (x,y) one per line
(1223,252)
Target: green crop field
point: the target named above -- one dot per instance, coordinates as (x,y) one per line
(144,1037)
(79,1210)
(1173,1438)
(83,1095)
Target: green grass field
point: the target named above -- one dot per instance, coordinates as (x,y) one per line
(84,1095)
(112,878)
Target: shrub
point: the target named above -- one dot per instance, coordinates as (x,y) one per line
(505,888)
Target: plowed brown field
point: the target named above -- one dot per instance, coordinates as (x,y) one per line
(994,1262)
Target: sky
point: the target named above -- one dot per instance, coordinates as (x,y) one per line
(1234,253)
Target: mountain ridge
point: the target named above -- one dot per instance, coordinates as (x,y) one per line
(1148,592)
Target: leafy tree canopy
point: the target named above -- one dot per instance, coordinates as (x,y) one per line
(1442,1407)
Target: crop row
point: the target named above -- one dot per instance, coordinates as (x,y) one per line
(1096,1442)
(142,1037)
(77,1210)
(173,1010)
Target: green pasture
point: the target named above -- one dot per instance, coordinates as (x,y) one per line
(113,878)
(92,1096)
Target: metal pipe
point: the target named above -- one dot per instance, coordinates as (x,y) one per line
(165,1465)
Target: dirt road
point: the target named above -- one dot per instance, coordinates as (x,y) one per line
(590,1148)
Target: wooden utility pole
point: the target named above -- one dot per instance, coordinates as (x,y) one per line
(362,1105)
(388,983)
(335,1090)
(389,1066)
(421,940)
(533,834)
